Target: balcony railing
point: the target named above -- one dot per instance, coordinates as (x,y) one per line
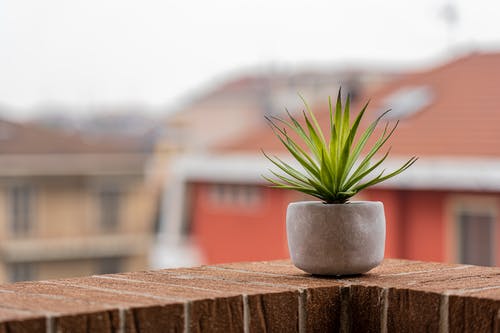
(398,296)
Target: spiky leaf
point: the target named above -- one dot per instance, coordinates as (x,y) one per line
(333,168)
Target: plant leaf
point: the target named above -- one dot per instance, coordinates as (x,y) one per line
(332,170)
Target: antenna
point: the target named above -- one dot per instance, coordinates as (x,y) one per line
(449,15)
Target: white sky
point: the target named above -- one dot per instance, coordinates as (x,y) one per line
(98,52)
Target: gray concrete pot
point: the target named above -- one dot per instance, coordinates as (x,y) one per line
(336,239)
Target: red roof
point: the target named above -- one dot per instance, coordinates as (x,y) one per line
(459,113)
(17,138)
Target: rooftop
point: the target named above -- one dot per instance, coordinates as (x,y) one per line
(32,150)
(450,110)
(17,138)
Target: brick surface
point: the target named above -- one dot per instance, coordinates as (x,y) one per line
(164,293)
(281,267)
(91,322)
(276,312)
(472,314)
(202,281)
(439,279)
(156,319)
(7,313)
(23,326)
(13,320)
(413,311)
(365,307)
(263,279)
(48,304)
(217,315)
(285,267)
(79,293)
(492,293)
(398,296)
(322,309)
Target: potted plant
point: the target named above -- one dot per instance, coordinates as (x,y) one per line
(333,236)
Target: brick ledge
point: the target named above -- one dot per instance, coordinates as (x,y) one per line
(270,296)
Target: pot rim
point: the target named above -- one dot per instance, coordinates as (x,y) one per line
(318,203)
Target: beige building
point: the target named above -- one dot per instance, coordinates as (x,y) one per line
(71,207)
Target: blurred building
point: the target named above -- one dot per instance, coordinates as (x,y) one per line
(71,207)
(240,104)
(444,208)
(220,116)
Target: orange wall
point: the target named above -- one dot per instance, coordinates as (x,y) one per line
(237,232)
(393,206)
(425,226)
(417,223)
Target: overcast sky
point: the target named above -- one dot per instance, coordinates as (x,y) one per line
(104,52)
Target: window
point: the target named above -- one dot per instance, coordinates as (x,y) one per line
(21,210)
(22,271)
(407,101)
(244,195)
(109,265)
(109,209)
(476,230)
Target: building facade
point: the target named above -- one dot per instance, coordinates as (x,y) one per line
(69,207)
(444,208)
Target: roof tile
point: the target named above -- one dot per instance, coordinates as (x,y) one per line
(462,119)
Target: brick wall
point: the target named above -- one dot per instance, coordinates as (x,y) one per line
(398,296)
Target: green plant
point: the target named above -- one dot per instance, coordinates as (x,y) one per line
(333,169)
